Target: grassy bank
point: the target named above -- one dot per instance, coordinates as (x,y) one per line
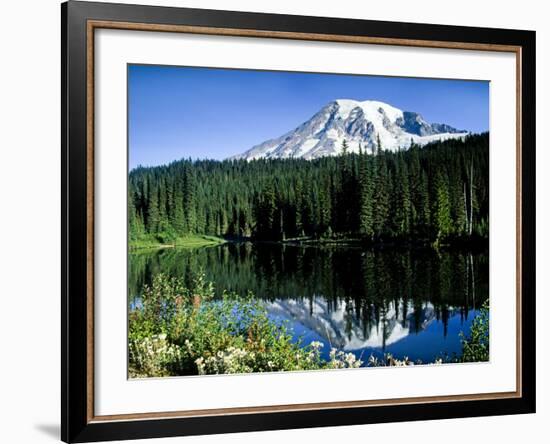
(163,241)
(179,331)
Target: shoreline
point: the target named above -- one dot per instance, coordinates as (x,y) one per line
(201,241)
(191,241)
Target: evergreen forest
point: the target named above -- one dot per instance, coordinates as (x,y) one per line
(435,194)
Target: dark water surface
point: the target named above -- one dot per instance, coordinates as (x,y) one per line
(405,302)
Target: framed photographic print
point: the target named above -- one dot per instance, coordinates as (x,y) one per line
(276,221)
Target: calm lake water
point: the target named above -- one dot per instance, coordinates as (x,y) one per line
(408,302)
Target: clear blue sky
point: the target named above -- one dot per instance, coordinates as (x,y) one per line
(182,112)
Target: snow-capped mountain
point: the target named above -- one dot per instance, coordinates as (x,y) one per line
(360,124)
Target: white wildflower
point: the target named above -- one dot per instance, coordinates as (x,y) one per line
(316,345)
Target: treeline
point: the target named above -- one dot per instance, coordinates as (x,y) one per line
(432,193)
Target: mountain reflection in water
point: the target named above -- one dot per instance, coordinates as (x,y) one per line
(398,328)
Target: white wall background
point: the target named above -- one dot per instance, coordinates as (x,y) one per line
(30,221)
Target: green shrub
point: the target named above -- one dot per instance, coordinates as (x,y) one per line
(176,331)
(475,347)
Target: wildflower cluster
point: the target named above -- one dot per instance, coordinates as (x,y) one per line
(389,361)
(232,360)
(339,359)
(153,355)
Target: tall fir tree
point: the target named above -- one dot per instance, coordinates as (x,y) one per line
(442,208)
(366,177)
(381,198)
(401,199)
(152,208)
(189,199)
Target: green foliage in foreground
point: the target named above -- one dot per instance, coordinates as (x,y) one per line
(177,331)
(168,239)
(475,347)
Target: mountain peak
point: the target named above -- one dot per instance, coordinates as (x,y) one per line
(360,123)
(368,107)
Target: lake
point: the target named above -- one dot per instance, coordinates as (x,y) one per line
(405,302)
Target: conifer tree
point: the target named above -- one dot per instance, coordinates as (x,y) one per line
(132,218)
(345,147)
(325,208)
(189,199)
(423,205)
(415,189)
(442,209)
(152,209)
(381,193)
(401,198)
(265,213)
(366,196)
(178,215)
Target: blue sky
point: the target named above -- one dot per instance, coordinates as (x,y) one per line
(181,112)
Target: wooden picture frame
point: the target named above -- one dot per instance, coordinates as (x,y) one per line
(79,22)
